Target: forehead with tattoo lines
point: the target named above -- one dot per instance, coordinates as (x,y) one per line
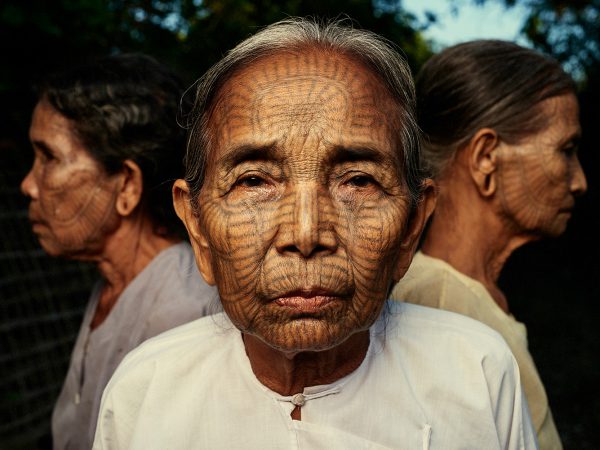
(313,96)
(304,191)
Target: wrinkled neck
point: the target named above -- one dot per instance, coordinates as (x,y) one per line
(126,253)
(290,373)
(468,233)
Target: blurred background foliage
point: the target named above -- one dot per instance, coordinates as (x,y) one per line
(554,286)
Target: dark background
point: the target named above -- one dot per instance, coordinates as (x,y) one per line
(553,286)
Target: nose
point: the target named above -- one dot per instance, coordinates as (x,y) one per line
(309,230)
(29,186)
(578,181)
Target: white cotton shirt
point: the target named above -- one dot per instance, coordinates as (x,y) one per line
(430,380)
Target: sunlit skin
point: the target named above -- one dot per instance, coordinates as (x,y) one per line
(303,219)
(497,196)
(78,211)
(72,198)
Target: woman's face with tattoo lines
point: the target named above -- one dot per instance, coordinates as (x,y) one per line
(72,198)
(304,204)
(541,176)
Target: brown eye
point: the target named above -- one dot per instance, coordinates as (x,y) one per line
(361,181)
(251,181)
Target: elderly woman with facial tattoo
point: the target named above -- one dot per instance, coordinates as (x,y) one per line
(501,128)
(304,204)
(107,148)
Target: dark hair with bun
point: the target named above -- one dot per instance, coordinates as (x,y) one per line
(483,84)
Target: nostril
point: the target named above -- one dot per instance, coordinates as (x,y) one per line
(305,252)
(319,249)
(288,249)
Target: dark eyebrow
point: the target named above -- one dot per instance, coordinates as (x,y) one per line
(245,153)
(342,154)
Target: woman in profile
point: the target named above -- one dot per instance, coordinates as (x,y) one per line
(501,126)
(107,147)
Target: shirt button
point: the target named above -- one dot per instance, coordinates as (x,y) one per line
(298,400)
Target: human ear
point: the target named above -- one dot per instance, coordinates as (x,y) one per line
(482,159)
(130,192)
(185,211)
(414,227)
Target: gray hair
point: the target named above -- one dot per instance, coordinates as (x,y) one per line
(483,84)
(297,34)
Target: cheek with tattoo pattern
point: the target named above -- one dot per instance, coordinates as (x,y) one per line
(304,203)
(72,199)
(540,177)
